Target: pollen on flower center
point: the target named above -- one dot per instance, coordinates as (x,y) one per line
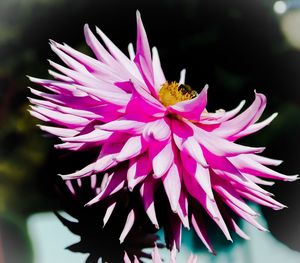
(171,92)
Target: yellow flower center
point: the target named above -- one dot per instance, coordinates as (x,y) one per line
(171,92)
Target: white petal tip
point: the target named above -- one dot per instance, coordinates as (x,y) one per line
(138,14)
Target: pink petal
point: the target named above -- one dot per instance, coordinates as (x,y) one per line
(222,147)
(155,255)
(230,195)
(145,102)
(191,109)
(93,136)
(124,125)
(201,174)
(116,182)
(60,132)
(133,147)
(172,184)
(128,225)
(61,118)
(192,147)
(139,169)
(159,77)
(242,121)
(119,55)
(200,229)
(126,258)
(143,55)
(101,53)
(220,116)
(182,209)
(210,206)
(254,127)
(108,213)
(147,190)
(181,131)
(162,156)
(250,166)
(158,130)
(264,160)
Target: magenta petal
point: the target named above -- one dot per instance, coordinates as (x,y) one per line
(182,209)
(133,147)
(174,230)
(191,109)
(147,193)
(124,125)
(143,54)
(93,136)
(116,182)
(139,168)
(220,146)
(172,185)
(199,227)
(192,147)
(230,195)
(250,166)
(254,127)
(220,116)
(242,121)
(162,157)
(158,130)
(201,174)
(209,205)
(119,55)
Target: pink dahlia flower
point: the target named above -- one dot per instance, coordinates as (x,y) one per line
(154,133)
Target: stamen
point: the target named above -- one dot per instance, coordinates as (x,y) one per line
(172,93)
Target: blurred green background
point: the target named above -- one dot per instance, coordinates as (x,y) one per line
(235,46)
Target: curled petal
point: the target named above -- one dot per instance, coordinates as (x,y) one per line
(241,122)
(191,109)
(158,130)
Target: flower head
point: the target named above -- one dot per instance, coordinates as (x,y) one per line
(155,134)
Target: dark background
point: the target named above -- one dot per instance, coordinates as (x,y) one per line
(235,46)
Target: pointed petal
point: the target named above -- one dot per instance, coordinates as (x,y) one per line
(133,147)
(162,156)
(147,190)
(139,169)
(159,77)
(116,182)
(200,230)
(128,225)
(108,213)
(172,185)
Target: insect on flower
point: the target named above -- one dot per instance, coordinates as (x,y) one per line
(152,133)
